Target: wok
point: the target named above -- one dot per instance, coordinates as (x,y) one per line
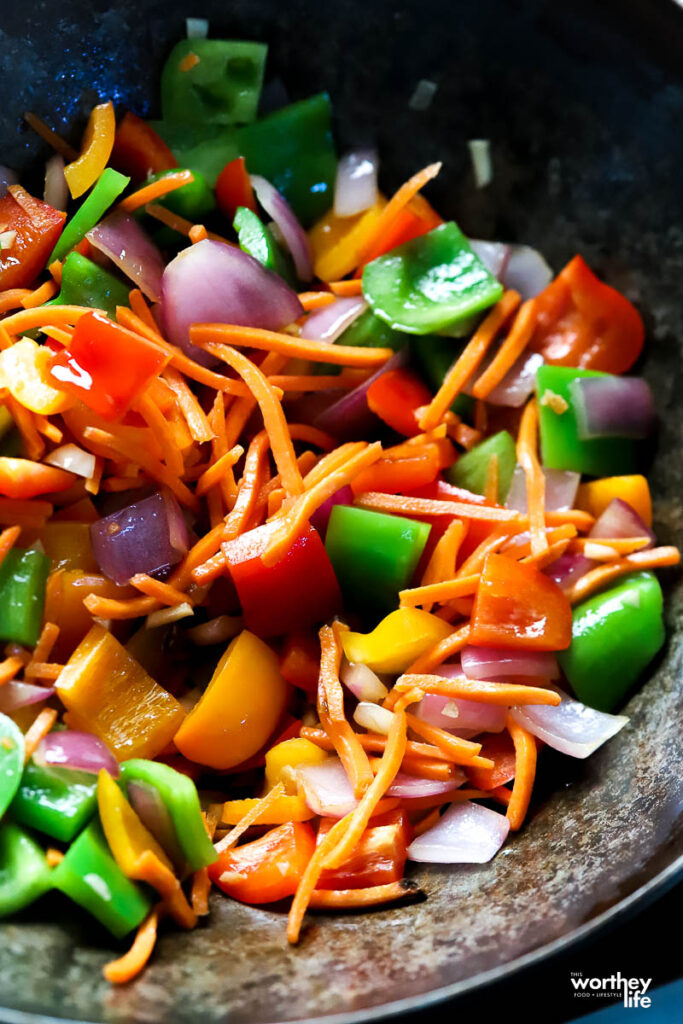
(582,104)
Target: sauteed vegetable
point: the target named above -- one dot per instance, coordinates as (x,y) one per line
(319,519)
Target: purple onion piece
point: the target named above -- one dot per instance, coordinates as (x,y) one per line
(120,237)
(15,695)
(212,282)
(561,486)
(350,418)
(567,569)
(296,239)
(494,255)
(328,323)
(321,517)
(148,536)
(612,406)
(149,806)
(79,750)
(621,520)
(499,663)
(526,272)
(466,834)
(409,787)
(571,727)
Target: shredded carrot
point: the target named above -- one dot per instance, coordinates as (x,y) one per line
(162,431)
(310,879)
(180,224)
(501,794)
(38,731)
(250,818)
(460,750)
(583,521)
(249,487)
(446,648)
(441,565)
(508,353)
(150,869)
(132,963)
(547,557)
(47,134)
(619,545)
(43,669)
(199,893)
(422,768)
(429,821)
(53,857)
(312,435)
(42,294)
(596,579)
(346,289)
(13,298)
(331,713)
(525,773)
(164,593)
(469,360)
(46,316)
(514,549)
(138,303)
(401,505)
(25,423)
(156,190)
(61,334)
(312,382)
(197,233)
(189,61)
(47,429)
(194,415)
(394,207)
(315,300)
(491,485)
(437,593)
(375,743)
(8,539)
(485,692)
(210,570)
(9,668)
(217,470)
(212,337)
(376,895)
(114,608)
(527,456)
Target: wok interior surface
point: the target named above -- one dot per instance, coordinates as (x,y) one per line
(583,109)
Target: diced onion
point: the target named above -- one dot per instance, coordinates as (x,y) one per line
(500,663)
(561,486)
(147,536)
(612,406)
(410,787)
(466,834)
(123,240)
(166,616)
(15,695)
(373,718)
(328,323)
(462,717)
(571,727)
(197,28)
(277,207)
(621,520)
(362,682)
(69,748)
(480,154)
(355,188)
(494,255)
(327,789)
(73,459)
(56,191)
(526,271)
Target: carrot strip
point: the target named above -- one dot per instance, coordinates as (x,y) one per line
(249,487)
(525,773)
(197,233)
(315,300)
(212,336)
(215,472)
(510,350)
(46,316)
(25,424)
(485,692)
(310,879)
(527,445)
(595,579)
(501,793)
(619,545)
(346,289)
(401,505)
(439,592)
(429,821)
(43,670)
(162,431)
(557,533)
(311,382)
(53,857)
(9,668)
(38,731)
(164,593)
(446,648)
(252,816)
(375,743)
(50,136)
(547,557)
(138,304)
(311,435)
(210,570)
(113,608)
(491,484)
(422,768)
(469,360)
(128,966)
(194,415)
(47,429)
(464,750)
(331,712)
(441,565)
(8,539)
(13,298)
(156,189)
(391,211)
(177,223)
(374,896)
(199,893)
(42,294)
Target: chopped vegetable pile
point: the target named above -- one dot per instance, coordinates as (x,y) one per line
(319,519)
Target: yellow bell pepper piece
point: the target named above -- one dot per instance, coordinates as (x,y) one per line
(98,142)
(290,754)
(337,242)
(107,692)
(239,709)
(68,546)
(594,497)
(396,641)
(284,809)
(23,371)
(127,837)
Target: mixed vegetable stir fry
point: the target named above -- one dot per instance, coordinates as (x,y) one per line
(319,519)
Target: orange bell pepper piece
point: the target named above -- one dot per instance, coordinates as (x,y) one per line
(336,242)
(285,808)
(98,142)
(64,606)
(68,546)
(594,497)
(240,708)
(107,692)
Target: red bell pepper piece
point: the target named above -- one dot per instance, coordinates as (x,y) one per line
(21,478)
(499,748)
(379,857)
(300,661)
(294,593)
(138,150)
(106,366)
(233,189)
(395,397)
(516,605)
(584,322)
(37,226)
(396,476)
(267,869)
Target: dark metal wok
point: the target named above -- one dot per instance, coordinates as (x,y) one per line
(583,104)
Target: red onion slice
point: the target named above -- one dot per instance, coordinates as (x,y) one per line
(327,789)
(15,695)
(328,323)
(567,569)
(350,418)
(148,536)
(526,271)
(120,237)
(56,191)
(81,750)
(612,406)
(321,517)
(561,486)
(212,282)
(497,663)
(296,239)
(466,834)
(409,787)
(621,520)
(461,717)
(571,727)
(362,682)
(355,188)
(494,255)
(147,803)
(518,383)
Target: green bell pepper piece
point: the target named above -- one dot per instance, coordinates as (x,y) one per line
(561,446)
(11,443)
(368,331)
(257,240)
(223,87)
(204,148)
(192,201)
(11,760)
(57,801)
(179,795)
(435,356)
(23,576)
(24,873)
(470,469)
(615,634)
(106,189)
(373,555)
(86,284)
(90,876)
(432,283)
(293,149)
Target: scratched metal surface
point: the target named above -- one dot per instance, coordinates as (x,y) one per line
(583,109)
